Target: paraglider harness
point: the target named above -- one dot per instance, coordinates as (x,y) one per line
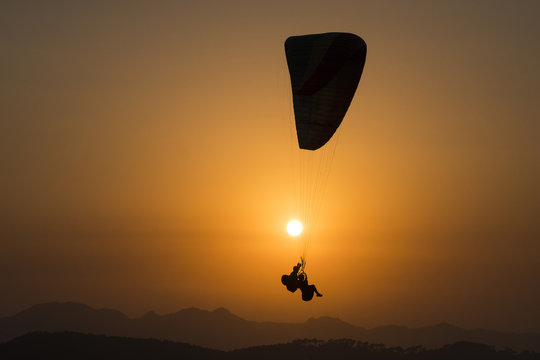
(302,269)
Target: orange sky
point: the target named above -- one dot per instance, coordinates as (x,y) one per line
(145,156)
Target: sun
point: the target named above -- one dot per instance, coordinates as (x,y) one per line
(294,228)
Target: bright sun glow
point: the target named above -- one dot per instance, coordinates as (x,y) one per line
(294,227)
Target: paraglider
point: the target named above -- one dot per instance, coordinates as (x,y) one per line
(324,70)
(296,280)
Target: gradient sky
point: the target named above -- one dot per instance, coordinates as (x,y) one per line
(145,161)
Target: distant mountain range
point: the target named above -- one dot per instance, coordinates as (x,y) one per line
(220,329)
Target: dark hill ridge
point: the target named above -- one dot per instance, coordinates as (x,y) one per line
(220,329)
(70,345)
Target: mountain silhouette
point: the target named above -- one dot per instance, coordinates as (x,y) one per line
(70,345)
(220,329)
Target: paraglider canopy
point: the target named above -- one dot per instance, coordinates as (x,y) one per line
(325,70)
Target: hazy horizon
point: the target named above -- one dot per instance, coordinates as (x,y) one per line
(79,305)
(145,161)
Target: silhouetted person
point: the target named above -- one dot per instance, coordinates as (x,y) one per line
(307,290)
(291,280)
(295,281)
